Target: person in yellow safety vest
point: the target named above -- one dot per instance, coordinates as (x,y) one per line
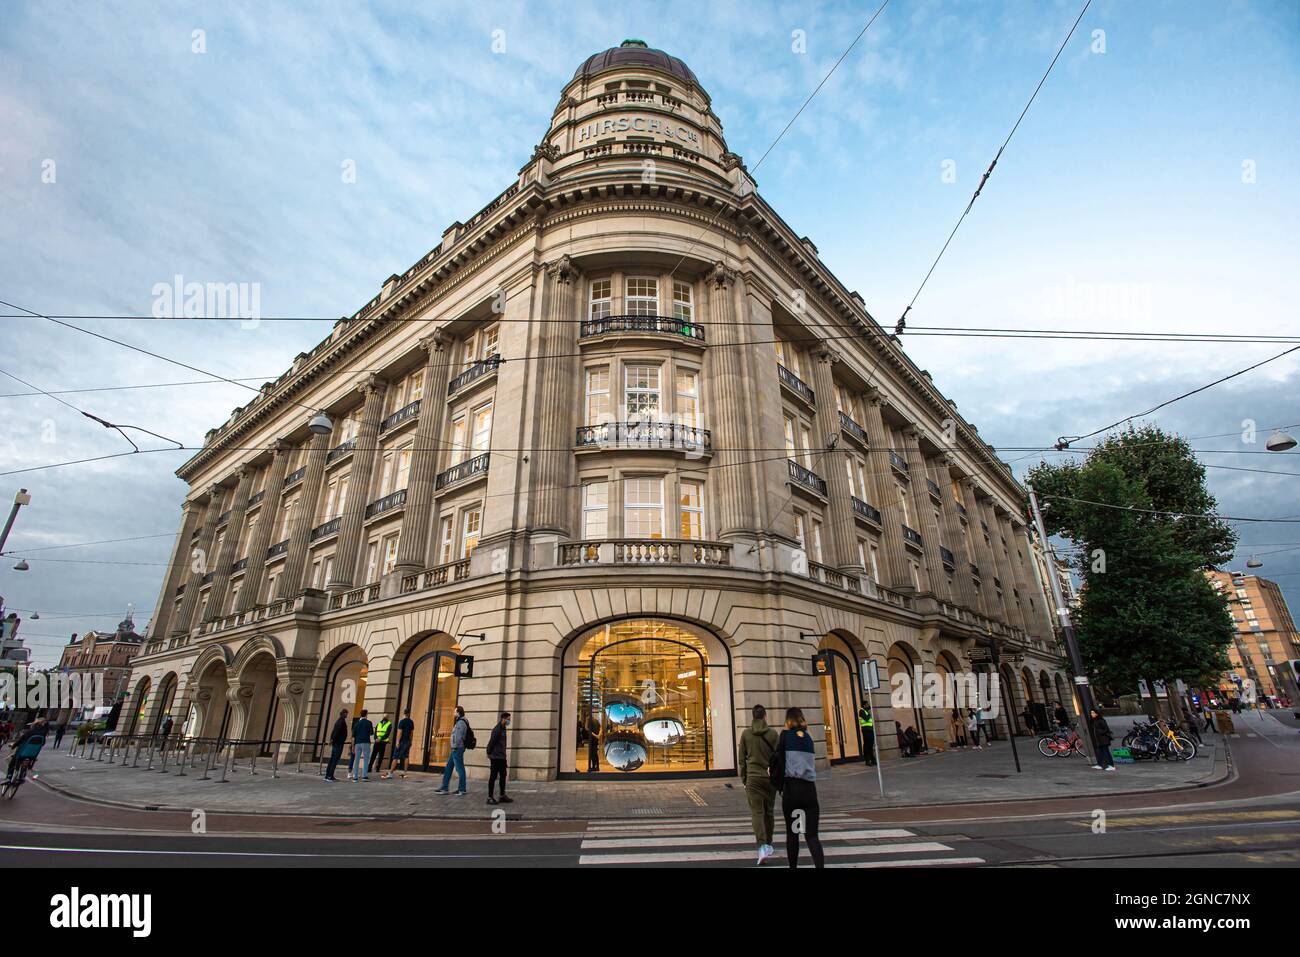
(383,734)
(867,725)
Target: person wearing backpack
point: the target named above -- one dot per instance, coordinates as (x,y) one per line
(757,744)
(462,738)
(795,775)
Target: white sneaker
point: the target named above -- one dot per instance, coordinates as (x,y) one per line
(1097,767)
(1111,768)
(764,852)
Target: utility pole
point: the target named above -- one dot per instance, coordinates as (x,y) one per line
(21,499)
(1086,702)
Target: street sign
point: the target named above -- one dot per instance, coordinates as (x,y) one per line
(464,666)
(870,672)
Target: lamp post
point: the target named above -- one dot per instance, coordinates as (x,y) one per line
(21,499)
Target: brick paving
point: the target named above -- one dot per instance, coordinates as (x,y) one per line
(951,777)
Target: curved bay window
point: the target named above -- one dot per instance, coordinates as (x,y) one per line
(642,698)
(429,690)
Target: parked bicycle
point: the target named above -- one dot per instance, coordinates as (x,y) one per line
(1157,739)
(1061,742)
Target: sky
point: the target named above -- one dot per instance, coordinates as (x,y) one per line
(1153,186)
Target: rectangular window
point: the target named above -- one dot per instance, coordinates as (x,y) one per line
(902,506)
(641,392)
(853,489)
(372,562)
(642,296)
(315,574)
(390,552)
(643,508)
(817,540)
(386,473)
(473,522)
(688,398)
(595,510)
(791,449)
(286,519)
(599,305)
(234,595)
(805,439)
(874,554)
(482,437)
(336,497)
(446,539)
(598,395)
(692,504)
(800,531)
(683,304)
(403,472)
(269,593)
(459,451)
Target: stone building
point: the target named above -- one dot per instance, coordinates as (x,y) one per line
(625,442)
(1266,640)
(108,654)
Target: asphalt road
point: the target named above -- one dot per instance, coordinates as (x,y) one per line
(1251,820)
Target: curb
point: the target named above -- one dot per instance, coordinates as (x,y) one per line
(1229,774)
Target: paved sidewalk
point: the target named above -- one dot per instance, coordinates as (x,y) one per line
(952,777)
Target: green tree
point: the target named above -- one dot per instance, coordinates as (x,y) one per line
(1140,516)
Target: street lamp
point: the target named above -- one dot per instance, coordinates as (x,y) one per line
(1253,562)
(21,499)
(320,424)
(22,565)
(1280,441)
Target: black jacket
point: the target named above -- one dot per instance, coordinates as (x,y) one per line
(1102,730)
(497,742)
(339,736)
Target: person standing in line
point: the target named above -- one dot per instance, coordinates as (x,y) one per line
(758,743)
(166,730)
(460,736)
(799,805)
(973,728)
(867,726)
(338,738)
(496,752)
(402,749)
(1101,731)
(383,731)
(58,734)
(1062,717)
(363,730)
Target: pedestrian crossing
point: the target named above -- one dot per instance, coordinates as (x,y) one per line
(846,841)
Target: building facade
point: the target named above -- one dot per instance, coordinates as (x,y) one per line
(625,442)
(107,654)
(1266,640)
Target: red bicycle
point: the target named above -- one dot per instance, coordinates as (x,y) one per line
(1061,742)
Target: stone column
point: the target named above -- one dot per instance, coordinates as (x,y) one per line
(221,575)
(1024,585)
(839,516)
(290,581)
(177,571)
(1005,572)
(261,540)
(966,595)
(557,368)
(413,548)
(924,505)
(190,602)
(897,574)
(983,554)
(348,553)
(293,680)
(731,478)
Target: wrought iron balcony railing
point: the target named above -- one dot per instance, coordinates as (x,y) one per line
(326,529)
(649,435)
(911,535)
(340,450)
(974,569)
(404,414)
(852,428)
(806,477)
(207,579)
(475,372)
(796,384)
(388,502)
(947,558)
(661,325)
(468,469)
(295,476)
(898,462)
(224,516)
(239,566)
(933,487)
(279,548)
(256,497)
(961,510)
(869,512)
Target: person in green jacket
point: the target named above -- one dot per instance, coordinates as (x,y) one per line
(757,744)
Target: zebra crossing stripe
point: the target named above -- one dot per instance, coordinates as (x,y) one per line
(685,857)
(685,840)
(918,862)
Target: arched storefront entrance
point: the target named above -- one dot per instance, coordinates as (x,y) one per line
(211,711)
(903,662)
(650,696)
(140,701)
(166,698)
(264,714)
(346,671)
(841,696)
(954,722)
(428,689)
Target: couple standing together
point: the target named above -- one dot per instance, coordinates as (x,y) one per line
(772,762)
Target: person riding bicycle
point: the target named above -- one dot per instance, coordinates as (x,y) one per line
(27,747)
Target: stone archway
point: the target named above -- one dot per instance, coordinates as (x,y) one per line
(841,695)
(902,661)
(164,700)
(211,709)
(139,703)
(341,680)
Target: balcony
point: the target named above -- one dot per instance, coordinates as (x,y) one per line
(324,531)
(806,478)
(469,469)
(358,596)
(984,525)
(911,536)
(835,578)
(239,566)
(796,385)
(869,512)
(387,503)
(340,450)
(641,325)
(646,551)
(256,497)
(898,462)
(404,414)
(974,570)
(933,488)
(947,558)
(224,517)
(207,579)
(295,476)
(645,435)
(433,577)
(852,429)
(475,372)
(279,548)
(961,510)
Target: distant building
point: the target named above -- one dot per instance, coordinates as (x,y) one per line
(1266,637)
(104,652)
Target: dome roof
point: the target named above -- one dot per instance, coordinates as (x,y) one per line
(635,53)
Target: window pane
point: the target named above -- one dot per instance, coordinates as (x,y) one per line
(642,296)
(600,299)
(643,508)
(595,510)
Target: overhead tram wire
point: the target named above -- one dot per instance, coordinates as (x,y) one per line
(902,320)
